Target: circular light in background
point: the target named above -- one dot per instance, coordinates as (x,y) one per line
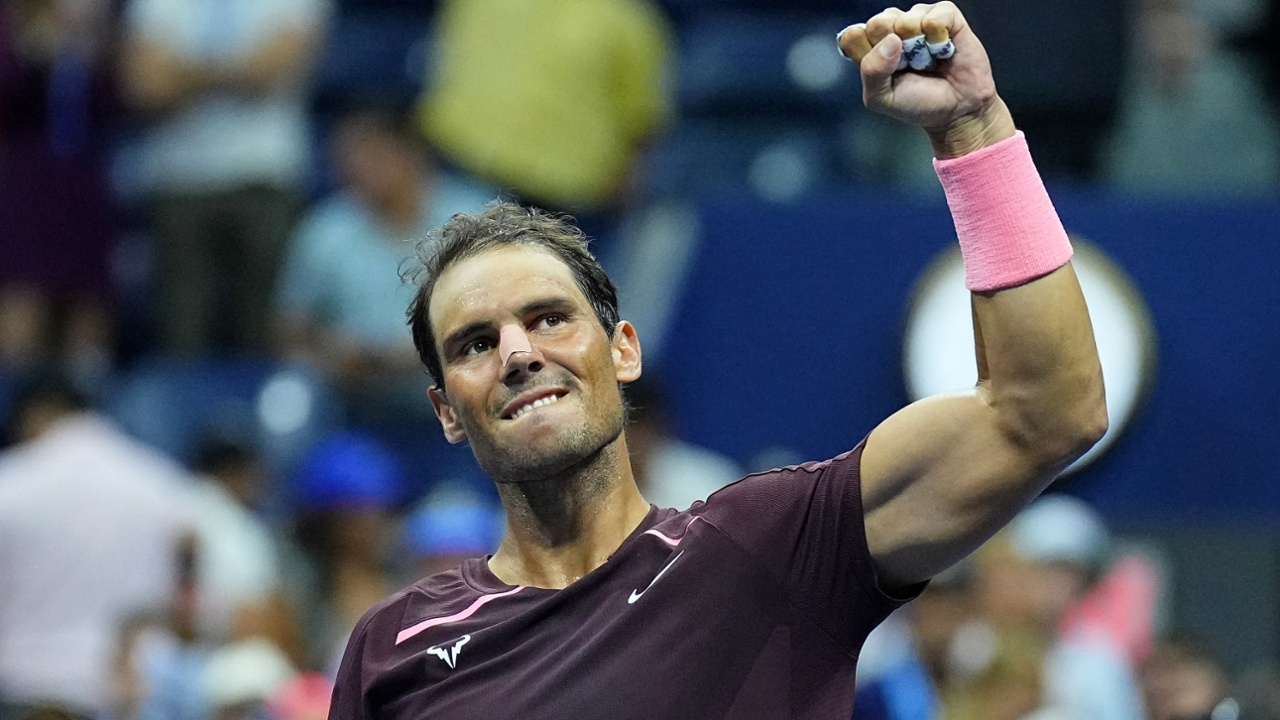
(285,403)
(815,64)
(938,351)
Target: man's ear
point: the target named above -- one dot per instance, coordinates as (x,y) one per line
(453,431)
(626,353)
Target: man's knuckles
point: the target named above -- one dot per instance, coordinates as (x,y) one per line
(853,42)
(881,26)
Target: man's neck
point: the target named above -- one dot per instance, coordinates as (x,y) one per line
(562,528)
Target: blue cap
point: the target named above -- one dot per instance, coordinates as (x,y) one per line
(453,526)
(348,470)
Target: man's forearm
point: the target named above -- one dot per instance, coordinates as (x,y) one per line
(157,80)
(1038,366)
(290,52)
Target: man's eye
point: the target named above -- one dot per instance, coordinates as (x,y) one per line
(475,347)
(553,320)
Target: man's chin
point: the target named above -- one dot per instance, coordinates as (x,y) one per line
(533,464)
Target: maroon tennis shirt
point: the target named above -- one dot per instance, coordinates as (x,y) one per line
(753,605)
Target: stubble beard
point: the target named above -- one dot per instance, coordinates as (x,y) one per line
(575,448)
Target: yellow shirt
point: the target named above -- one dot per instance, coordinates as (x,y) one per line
(547,97)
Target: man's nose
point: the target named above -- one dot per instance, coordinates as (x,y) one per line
(515,351)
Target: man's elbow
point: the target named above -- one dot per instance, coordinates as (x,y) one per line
(1079,424)
(1053,431)
(1090,424)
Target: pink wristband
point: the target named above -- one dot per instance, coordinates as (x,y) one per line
(1009,232)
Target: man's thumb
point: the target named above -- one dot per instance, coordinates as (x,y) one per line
(878,66)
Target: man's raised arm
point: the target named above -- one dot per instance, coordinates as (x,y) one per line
(942,475)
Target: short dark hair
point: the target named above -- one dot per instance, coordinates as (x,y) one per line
(503,223)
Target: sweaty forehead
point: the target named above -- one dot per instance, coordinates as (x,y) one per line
(496,283)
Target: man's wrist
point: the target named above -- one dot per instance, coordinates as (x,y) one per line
(972,133)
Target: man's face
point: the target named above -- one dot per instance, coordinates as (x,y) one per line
(513,330)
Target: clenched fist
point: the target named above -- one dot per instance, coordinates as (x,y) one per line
(954,100)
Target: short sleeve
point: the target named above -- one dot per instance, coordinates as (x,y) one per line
(804,524)
(348,691)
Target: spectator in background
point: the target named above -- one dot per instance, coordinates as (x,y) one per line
(56,220)
(347,486)
(238,563)
(94,529)
(1010,685)
(917,653)
(1182,680)
(222,85)
(452,524)
(554,100)
(340,305)
(669,471)
(1047,561)
(241,678)
(1192,88)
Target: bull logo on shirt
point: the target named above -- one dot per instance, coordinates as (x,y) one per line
(450,655)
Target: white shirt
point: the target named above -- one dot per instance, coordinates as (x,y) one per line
(223,140)
(238,558)
(1086,674)
(89,521)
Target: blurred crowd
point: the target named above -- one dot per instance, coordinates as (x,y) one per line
(1053,619)
(186,180)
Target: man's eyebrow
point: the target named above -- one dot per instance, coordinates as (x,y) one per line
(555,302)
(463,333)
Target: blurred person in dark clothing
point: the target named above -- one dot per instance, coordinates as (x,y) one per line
(222,87)
(56,218)
(1260,45)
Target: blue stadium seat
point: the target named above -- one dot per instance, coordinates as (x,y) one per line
(419,6)
(7,383)
(169,404)
(735,62)
(679,8)
(775,158)
(378,51)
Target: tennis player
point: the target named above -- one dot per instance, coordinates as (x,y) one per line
(754,604)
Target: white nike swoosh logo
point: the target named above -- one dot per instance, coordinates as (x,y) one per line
(636,595)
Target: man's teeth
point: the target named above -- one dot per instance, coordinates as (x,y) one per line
(535,404)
